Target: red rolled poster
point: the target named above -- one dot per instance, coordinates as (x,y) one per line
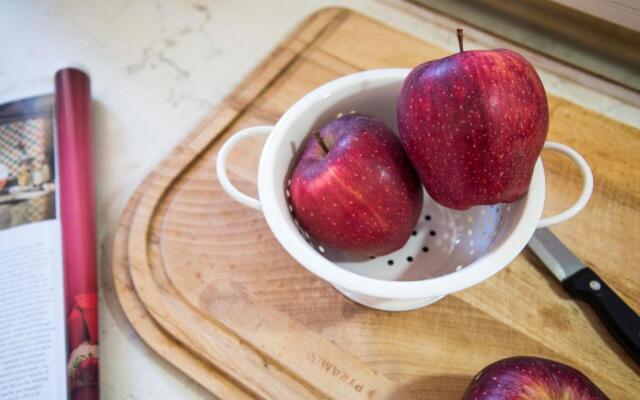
(77,209)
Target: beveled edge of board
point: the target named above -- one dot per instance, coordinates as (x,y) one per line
(187,151)
(145,326)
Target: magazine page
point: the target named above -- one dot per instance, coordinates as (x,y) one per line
(32,328)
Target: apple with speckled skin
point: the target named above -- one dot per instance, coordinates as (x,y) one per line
(526,378)
(473,125)
(353,188)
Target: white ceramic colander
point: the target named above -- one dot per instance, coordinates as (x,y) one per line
(449,250)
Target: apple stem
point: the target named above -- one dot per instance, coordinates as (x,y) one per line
(322,143)
(459,31)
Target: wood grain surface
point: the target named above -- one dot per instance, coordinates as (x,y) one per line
(181,234)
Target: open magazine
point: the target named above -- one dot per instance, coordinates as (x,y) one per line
(48,285)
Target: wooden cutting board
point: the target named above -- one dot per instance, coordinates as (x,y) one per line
(205,283)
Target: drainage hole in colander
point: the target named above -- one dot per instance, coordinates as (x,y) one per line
(425,249)
(432,233)
(390,262)
(427,217)
(409,258)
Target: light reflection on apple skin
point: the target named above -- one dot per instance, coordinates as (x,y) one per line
(531,378)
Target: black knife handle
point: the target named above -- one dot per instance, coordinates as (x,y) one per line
(617,316)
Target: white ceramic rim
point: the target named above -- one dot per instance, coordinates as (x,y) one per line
(269,189)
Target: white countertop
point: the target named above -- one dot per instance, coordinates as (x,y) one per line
(157,67)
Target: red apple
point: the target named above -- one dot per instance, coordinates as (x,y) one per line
(473,125)
(525,378)
(354,189)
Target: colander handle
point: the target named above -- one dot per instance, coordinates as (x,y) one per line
(221,164)
(587,185)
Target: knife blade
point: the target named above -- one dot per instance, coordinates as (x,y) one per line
(584,284)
